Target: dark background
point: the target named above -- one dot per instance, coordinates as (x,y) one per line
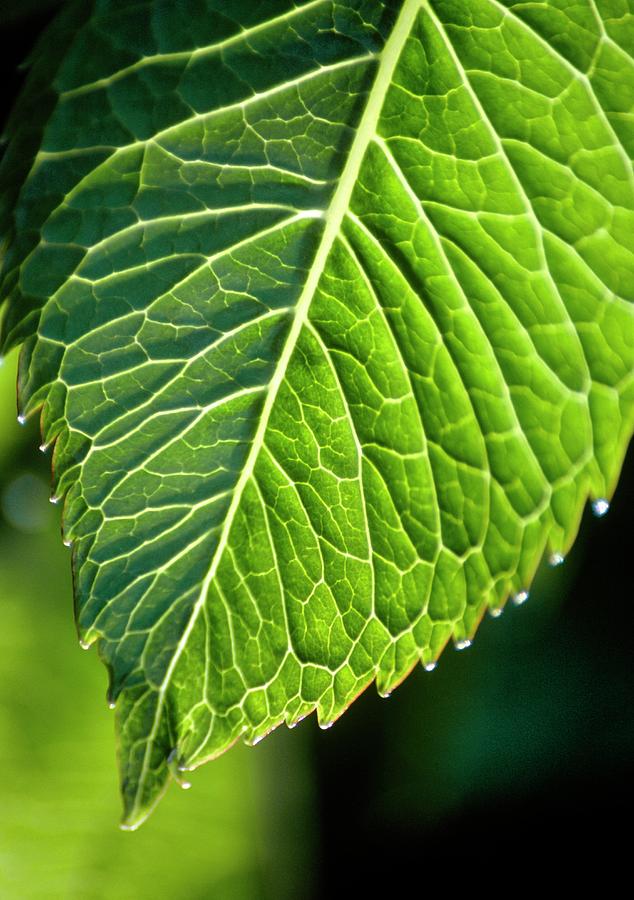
(514,756)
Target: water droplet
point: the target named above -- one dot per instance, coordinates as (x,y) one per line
(600,507)
(496,611)
(85,645)
(43,448)
(521,597)
(54,500)
(21,419)
(251,742)
(384,695)
(111,704)
(326,725)
(297,721)
(67,542)
(555,559)
(176,768)
(462,644)
(430,666)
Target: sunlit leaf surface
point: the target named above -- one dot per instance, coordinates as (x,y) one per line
(327,309)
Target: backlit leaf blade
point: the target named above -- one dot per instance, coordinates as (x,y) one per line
(328,314)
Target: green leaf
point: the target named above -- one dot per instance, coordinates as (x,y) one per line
(327,308)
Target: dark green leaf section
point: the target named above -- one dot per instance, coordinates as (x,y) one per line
(22,135)
(327,308)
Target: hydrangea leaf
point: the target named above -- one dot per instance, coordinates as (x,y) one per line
(327,310)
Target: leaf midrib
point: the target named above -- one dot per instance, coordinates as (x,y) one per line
(333,215)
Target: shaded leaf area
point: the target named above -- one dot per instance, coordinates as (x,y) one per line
(327,310)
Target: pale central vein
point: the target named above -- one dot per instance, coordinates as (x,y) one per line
(333,218)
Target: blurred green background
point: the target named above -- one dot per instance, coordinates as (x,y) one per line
(516,751)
